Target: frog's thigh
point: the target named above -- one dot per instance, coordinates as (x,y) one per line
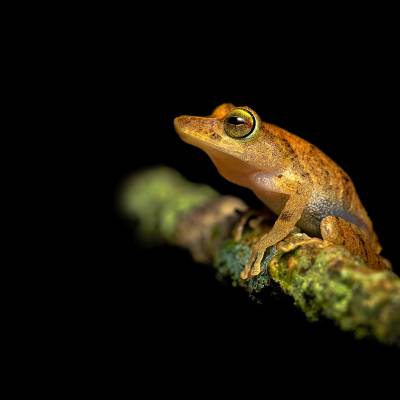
(339,231)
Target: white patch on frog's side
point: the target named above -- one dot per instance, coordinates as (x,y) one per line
(264,186)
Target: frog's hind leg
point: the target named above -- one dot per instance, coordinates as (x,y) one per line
(339,231)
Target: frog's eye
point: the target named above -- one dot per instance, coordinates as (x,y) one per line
(239,123)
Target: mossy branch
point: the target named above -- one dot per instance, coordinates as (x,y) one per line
(323,279)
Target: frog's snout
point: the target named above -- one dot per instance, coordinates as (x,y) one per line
(186,125)
(198,131)
(180,123)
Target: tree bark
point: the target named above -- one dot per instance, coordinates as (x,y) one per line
(325,280)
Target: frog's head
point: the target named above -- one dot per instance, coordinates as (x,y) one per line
(231,136)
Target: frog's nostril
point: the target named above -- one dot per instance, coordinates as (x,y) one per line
(176,122)
(179,121)
(181,124)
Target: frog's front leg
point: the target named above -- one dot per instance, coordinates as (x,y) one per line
(289,216)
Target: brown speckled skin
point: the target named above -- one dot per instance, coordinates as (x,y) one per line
(295,179)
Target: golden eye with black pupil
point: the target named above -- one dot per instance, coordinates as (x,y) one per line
(239,123)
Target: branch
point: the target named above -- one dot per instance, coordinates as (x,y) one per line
(325,280)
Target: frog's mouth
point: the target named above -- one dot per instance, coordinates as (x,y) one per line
(202,132)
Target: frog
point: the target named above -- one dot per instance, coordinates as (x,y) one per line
(296,180)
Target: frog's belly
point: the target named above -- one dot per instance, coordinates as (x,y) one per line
(316,210)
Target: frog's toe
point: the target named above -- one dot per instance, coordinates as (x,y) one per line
(256,268)
(253,266)
(245,273)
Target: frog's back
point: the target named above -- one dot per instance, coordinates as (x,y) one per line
(333,192)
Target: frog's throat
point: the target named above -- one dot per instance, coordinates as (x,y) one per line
(232,168)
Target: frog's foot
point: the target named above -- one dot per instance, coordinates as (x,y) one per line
(253,218)
(253,266)
(339,231)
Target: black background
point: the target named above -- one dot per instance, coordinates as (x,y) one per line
(339,95)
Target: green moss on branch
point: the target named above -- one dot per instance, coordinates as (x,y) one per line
(323,279)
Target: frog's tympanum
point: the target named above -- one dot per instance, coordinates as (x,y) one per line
(292,177)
